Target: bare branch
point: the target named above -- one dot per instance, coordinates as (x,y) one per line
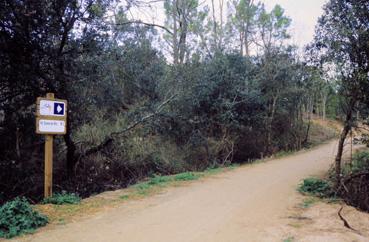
(110,138)
(146,24)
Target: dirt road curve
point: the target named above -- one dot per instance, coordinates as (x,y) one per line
(248,204)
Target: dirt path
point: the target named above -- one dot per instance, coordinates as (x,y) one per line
(250,203)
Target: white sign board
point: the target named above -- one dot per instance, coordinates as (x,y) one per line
(52,108)
(51,126)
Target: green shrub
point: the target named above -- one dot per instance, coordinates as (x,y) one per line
(17,217)
(186,176)
(315,186)
(63,198)
(360,162)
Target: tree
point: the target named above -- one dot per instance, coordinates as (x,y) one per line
(38,48)
(244,20)
(272,28)
(342,40)
(179,15)
(218,25)
(278,77)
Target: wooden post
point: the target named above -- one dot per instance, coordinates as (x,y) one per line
(351,149)
(48,160)
(48,165)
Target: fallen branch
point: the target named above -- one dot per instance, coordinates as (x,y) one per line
(355,175)
(345,223)
(110,138)
(348,179)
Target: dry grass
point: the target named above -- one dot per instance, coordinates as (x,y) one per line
(61,214)
(323,130)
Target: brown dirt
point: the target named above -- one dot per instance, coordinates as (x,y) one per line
(252,203)
(321,222)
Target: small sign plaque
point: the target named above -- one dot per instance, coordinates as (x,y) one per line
(49,126)
(52,108)
(51,116)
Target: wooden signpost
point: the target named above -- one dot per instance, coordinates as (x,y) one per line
(51,119)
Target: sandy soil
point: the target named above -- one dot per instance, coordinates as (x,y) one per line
(252,203)
(320,222)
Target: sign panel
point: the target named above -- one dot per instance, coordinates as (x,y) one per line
(55,108)
(51,119)
(50,126)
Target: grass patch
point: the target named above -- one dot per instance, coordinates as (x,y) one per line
(186,176)
(307,203)
(158,180)
(289,239)
(124,197)
(148,187)
(233,166)
(62,198)
(315,186)
(212,171)
(143,188)
(18,217)
(61,221)
(58,213)
(295,225)
(334,200)
(283,153)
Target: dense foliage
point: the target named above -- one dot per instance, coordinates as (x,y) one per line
(18,217)
(146,99)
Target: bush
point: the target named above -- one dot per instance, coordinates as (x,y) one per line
(63,198)
(360,162)
(17,217)
(355,183)
(315,186)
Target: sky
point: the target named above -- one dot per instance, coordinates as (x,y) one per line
(304,15)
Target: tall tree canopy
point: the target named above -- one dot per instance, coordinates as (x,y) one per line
(342,39)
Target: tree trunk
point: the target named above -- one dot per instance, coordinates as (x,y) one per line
(71,153)
(338,159)
(247,39)
(324,106)
(307,131)
(241,43)
(220,31)
(175,34)
(341,144)
(17,142)
(247,44)
(215,31)
(71,147)
(270,125)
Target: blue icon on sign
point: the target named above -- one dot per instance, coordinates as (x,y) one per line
(59,108)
